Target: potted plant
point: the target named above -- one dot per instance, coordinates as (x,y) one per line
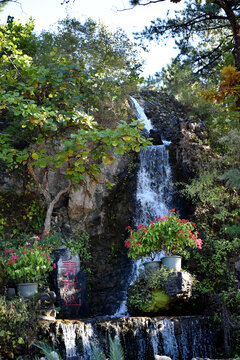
(169,234)
(27,266)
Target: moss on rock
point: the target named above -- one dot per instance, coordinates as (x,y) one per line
(147,294)
(160,301)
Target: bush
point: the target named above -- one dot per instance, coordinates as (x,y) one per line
(19,326)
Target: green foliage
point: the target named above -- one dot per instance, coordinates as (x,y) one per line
(213,265)
(81,244)
(54,108)
(109,55)
(28,263)
(201,32)
(20,213)
(116,351)
(19,326)
(141,292)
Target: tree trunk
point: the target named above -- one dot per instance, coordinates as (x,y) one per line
(45,192)
(47,222)
(227,6)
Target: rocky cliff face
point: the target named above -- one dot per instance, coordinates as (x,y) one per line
(175,124)
(104,214)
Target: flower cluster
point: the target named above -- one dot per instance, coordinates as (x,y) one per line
(28,263)
(170,234)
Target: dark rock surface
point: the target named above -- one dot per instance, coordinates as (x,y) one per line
(179,285)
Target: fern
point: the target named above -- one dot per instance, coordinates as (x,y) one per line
(97,354)
(48,352)
(116,350)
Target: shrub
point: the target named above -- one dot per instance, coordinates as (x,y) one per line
(18,326)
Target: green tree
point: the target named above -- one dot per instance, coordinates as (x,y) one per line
(107,55)
(48,111)
(197,19)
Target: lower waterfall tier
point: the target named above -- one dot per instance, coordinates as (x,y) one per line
(180,338)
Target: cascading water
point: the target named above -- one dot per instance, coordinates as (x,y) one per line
(69,336)
(154,177)
(181,338)
(153,184)
(153,193)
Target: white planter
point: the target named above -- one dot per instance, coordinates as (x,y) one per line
(172,262)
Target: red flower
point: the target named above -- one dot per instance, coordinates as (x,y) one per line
(127,244)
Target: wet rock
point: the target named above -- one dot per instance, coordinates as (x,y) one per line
(156,137)
(161,357)
(179,285)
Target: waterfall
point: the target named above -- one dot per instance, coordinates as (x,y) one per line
(153,184)
(69,336)
(140,114)
(153,193)
(180,338)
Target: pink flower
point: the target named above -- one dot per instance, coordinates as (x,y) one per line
(199,243)
(140,226)
(128,227)
(38,238)
(14,257)
(127,244)
(54,266)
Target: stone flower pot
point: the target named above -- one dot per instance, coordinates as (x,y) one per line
(173,262)
(27,290)
(151,265)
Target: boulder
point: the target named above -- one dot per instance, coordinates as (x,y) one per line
(156,137)
(159,292)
